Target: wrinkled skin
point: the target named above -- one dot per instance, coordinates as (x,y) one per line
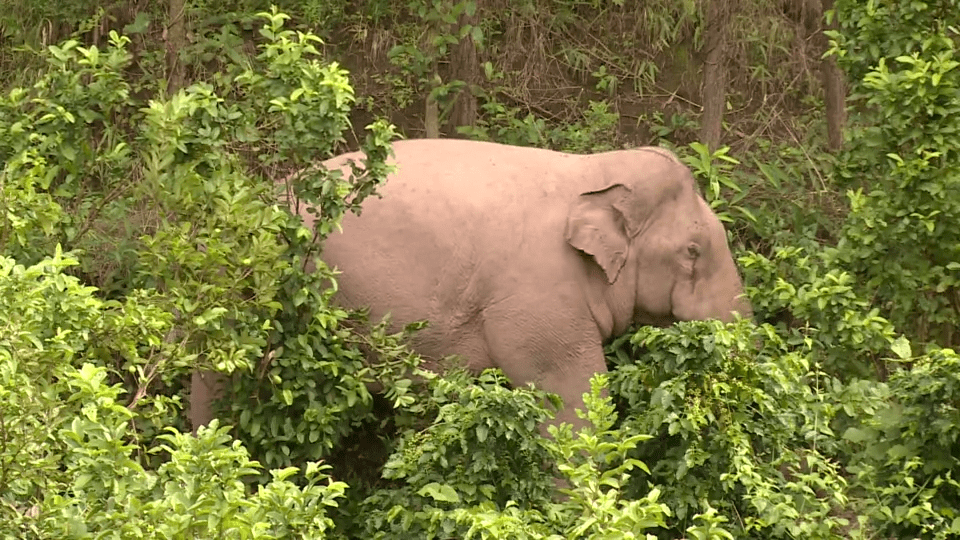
(529,260)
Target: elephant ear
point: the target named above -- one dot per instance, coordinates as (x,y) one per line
(600,224)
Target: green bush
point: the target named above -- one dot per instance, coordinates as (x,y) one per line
(735,427)
(71,456)
(173,205)
(816,308)
(902,164)
(503,124)
(178,196)
(907,460)
(482,471)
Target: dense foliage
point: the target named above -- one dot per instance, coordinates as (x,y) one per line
(145,235)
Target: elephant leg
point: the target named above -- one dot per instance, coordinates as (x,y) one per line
(569,378)
(562,366)
(205,387)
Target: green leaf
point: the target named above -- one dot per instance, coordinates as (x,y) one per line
(901,348)
(858,435)
(139,24)
(439,492)
(476,33)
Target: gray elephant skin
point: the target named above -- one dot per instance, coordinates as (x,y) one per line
(529,260)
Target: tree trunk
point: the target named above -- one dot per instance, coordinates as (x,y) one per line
(465,67)
(835,96)
(431,113)
(203,384)
(714,90)
(176,38)
(834,91)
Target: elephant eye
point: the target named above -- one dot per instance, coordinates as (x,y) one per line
(693,251)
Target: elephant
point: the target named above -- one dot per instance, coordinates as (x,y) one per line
(529,260)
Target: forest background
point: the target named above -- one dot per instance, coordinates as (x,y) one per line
(143,240)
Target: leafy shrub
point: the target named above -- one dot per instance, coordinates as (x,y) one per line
(482,447)
(176,200)
(735,428)
(715,171)
(903,166)
(503,124)
(70,457)
(816,308)
(480,471)
(178,197)
(907,460)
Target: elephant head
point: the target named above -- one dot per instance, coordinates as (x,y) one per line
(653,223)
